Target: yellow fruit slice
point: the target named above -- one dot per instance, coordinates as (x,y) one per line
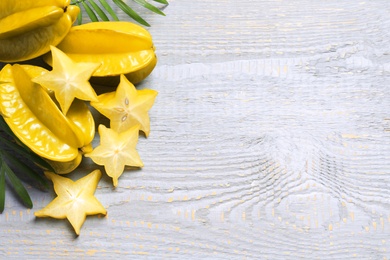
(126,106)
(68,79)
(116,150)
(75,199)
(26,126)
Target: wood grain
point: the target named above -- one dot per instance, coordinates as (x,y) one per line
(270,139)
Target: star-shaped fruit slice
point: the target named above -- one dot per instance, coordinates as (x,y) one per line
(116,150)
(68,79)
(75,200)
(127,106)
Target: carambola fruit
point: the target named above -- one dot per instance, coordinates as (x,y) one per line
(34,117)
(120,47)
(29,27)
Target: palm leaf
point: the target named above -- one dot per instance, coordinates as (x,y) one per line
(80,16)
(130,12)
(150,7)
(19,148)
(2,188)
(90,12)
(10,152)
(161,2)
(25,152)
(93,10)
(26,170)
(98,10)
(5,127)
(109,9)
(17,185)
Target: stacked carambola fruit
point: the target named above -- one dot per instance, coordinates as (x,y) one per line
(27,30)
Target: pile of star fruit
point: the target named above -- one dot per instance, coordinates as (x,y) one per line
(48,109)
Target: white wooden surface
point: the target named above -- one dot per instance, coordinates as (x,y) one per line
(270,139)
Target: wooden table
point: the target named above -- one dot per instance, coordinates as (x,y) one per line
(270,139)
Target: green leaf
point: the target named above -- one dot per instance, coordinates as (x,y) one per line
(130,12)
(24,152)
(90,12)
(109,9)
(5,127)
(22,149)
(80,15)
(93,8)
(161,2)
(150,7)
(98,10)
(18,186)
(2,188)
(23,168)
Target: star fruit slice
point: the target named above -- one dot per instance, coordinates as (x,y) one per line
(68,79)
(75,200)
(79,115)
(127,106)
(116,150)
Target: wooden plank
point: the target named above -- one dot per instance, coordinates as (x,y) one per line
(269,139)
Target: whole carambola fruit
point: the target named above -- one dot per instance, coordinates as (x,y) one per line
(29,27)
(120,47)
(37,121)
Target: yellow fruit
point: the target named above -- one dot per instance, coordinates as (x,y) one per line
(139,75)
(134,77)
(29,27)
(82,121)
(75,199)
(66,167)
(126,106)
(25,125)
(37,121)
(128,51)
(79,117)
(116,150)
